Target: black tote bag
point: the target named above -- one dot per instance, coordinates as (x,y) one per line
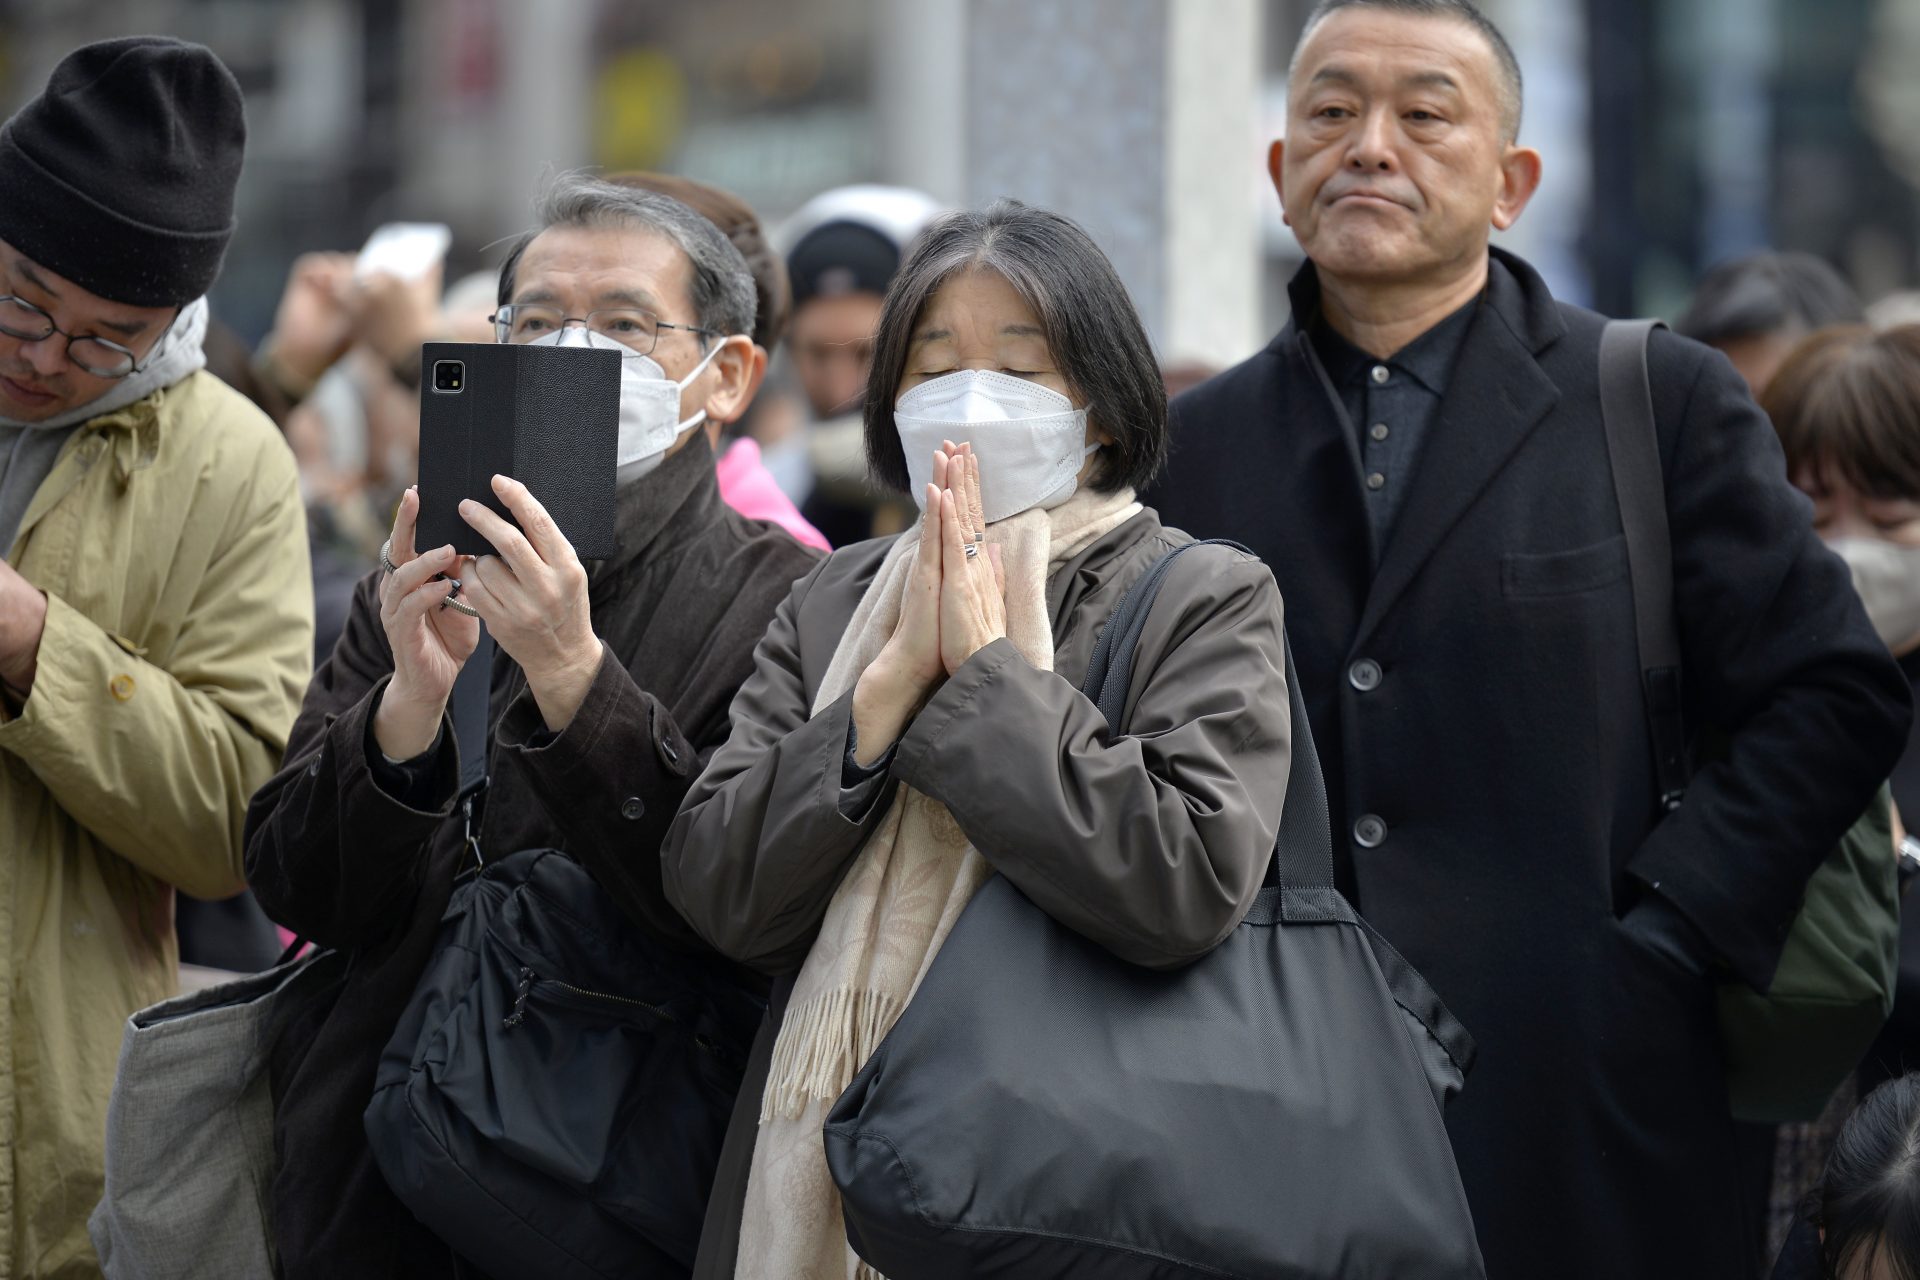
(1044,1109)
(554,1097)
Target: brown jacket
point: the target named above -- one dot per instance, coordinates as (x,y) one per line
(334,856)
(1153,844)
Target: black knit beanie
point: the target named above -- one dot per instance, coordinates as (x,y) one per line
(120,176)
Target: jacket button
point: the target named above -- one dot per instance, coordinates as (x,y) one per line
(1364,675)
(1370,832)
(631,808)
(121,687)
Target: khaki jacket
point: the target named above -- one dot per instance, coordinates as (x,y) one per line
(1153,844)
(170,540)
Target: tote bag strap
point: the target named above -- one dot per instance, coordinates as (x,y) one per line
(1633,452)
(1304,849)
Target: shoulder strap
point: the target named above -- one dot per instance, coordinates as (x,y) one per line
(468,708)
(1304,850)
(1633,450)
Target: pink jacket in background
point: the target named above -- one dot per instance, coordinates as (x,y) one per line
(749,488)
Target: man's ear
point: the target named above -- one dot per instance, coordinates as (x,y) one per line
(1276,157)
(737,370)
(1519,179)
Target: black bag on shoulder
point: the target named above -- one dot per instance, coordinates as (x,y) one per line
(553,1100)
(1043,1109)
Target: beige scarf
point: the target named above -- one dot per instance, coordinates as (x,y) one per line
(886,922)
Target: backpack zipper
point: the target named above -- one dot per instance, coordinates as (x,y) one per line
(528,977)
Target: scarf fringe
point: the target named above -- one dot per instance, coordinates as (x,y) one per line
(822,1045)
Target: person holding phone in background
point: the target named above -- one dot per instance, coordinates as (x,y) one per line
(610,689)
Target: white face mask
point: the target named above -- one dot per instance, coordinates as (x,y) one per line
(1887,577)
(1030,440)
(649,401)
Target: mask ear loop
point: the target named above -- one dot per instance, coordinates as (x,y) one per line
(688,424)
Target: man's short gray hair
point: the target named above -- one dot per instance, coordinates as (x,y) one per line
(1511,88)
(721,288)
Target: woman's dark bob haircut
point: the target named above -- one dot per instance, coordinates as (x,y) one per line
(1095,335)
(1846,405)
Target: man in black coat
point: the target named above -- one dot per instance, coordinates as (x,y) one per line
(1420,458)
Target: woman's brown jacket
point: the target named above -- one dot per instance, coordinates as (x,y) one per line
(1152,844)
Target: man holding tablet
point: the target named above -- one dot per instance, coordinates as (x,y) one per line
(611,684)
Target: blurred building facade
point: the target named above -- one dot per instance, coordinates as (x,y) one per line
(1676,133)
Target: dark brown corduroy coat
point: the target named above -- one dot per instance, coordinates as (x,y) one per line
(333,856)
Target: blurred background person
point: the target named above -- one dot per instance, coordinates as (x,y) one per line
(1756,309)
(846,246)
(340,370)
(745,483)
(1846,405)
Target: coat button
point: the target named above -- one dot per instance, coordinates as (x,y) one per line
(631,808)
(121,687)
(1364,675)
(1370,832)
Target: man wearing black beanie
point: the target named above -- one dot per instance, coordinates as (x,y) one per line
(156,617)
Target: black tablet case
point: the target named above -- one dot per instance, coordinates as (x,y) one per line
(547,416)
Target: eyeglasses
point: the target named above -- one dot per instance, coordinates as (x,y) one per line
(97,356)
(629,326)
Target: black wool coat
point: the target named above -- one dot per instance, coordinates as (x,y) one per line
(1477,707)
(335,858)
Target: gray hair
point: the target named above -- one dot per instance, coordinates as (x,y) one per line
(722,286)
(1512,88)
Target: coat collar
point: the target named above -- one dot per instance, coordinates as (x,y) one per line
(1495,398)
(130,436)
(1514,290)
(663,509)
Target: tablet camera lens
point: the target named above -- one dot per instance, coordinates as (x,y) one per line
(449,375)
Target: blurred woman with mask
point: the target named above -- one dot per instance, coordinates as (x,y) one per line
(914,721)
(1846,405)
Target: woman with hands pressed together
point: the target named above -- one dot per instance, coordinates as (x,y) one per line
(914,724)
